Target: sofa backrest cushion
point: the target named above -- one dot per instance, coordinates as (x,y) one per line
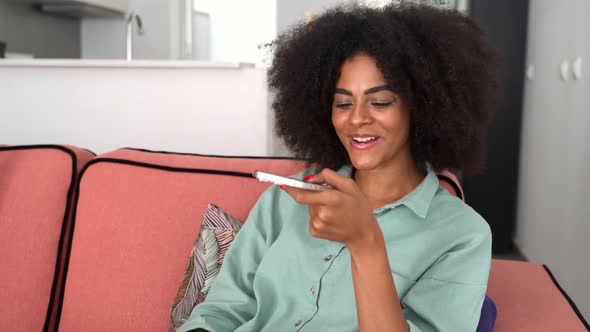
(36,186)
(138,213)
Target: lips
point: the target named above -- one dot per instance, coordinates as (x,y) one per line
(364,142)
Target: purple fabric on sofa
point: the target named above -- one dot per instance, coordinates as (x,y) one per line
(488,316)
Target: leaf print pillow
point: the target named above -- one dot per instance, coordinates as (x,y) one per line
(218,230)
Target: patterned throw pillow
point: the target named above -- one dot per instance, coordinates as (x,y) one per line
(218,230)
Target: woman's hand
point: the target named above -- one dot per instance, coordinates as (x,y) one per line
(342,214)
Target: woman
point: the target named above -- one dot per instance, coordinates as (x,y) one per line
(378,99)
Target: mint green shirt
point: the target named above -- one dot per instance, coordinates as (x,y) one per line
(277,277)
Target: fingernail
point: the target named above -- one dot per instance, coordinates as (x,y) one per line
(309,177)
(281,186)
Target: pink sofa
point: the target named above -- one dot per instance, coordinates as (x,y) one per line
(124,242)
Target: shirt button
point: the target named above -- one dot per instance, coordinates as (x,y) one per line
(313,291)
(327,258)
(297,323)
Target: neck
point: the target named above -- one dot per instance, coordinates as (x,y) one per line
(389,183)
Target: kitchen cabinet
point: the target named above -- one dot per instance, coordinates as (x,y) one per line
(83,8)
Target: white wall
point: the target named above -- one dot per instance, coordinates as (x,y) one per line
(293,12)
(211,111)
(290,12)
(238,27)
(553,222)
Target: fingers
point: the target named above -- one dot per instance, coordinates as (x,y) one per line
(317,225)
(322,213)
(339,182)
(316,228)
(314,178)
(310,197)
(323,228)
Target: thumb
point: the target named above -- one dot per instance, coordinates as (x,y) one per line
(314,178)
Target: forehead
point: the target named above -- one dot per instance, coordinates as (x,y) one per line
(360,70)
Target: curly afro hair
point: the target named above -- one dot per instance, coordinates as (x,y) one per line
(438,61)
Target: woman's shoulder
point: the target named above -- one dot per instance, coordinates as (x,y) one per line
(448,210)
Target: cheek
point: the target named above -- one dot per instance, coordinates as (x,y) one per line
(398,126)
(404,130)
(403,125)
(337,123)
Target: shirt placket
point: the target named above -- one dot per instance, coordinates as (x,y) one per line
(331,253)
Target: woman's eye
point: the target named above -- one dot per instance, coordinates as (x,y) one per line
(343,105)
(381,104)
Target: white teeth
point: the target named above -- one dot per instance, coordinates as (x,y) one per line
(364,139)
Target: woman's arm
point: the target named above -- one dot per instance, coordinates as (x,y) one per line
(377,303)
(449,295)
(231,301)
(344,215)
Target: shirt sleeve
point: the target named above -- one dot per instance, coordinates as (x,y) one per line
(230,301)
(450,294)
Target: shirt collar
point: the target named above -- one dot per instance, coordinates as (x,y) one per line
(418,200)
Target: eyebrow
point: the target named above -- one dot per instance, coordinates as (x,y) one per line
(367,92)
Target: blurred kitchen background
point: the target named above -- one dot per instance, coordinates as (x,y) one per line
(190,76)
(206,30)
(173,30)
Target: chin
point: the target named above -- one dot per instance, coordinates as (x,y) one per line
(363,164)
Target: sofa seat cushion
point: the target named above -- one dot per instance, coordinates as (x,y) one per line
(528,298)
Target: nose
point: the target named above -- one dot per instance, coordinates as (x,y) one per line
(360,115)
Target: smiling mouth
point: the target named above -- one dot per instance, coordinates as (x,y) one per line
(364,143)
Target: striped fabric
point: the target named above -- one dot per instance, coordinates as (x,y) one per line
(218,230)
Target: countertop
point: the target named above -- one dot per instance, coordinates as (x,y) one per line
(83,63)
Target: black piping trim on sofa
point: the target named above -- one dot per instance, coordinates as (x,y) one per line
(210,155)
(130,163)
(453,184)
(64,221)
(569,300)
(167,168)
(89,151)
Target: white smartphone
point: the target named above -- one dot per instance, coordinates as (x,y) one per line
(281,180)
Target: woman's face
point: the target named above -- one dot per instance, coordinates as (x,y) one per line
(369,118)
